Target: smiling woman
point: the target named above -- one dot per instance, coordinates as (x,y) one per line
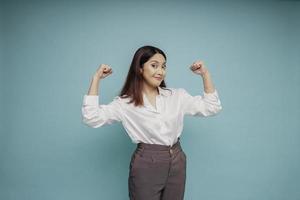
(153,69)
(152,115)
(147,72)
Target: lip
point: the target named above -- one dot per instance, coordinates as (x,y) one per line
(158,78)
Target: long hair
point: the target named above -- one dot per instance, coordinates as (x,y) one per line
(134,82)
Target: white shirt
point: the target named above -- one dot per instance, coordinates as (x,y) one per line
(147,124)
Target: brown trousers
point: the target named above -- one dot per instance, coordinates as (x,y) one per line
(157,172)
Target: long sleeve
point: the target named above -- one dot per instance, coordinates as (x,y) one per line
(96,115)
(206,105)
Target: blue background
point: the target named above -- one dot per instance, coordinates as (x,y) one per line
(51,49)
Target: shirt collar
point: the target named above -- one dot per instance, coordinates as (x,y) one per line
(164,92)
(148,105)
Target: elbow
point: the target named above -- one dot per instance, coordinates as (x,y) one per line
(213,110)
(91,119)
(218,108)
(91,123)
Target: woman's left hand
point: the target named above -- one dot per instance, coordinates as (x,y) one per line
(198,67)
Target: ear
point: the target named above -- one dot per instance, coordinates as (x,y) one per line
(141,70)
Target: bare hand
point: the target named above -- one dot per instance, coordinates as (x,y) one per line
(199,68)
(103,71)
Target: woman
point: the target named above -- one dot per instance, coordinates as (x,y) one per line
(152,116)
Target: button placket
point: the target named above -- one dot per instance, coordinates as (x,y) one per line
(149,106)
(158,108)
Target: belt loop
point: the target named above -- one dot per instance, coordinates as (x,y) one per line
(170,150)
(142,150)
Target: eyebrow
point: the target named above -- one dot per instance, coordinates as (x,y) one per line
(156,61)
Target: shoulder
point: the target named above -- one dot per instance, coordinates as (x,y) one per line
(168,91)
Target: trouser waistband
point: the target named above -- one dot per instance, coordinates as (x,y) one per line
(158,147)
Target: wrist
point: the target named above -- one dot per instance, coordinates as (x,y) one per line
(96,77)
(206,74)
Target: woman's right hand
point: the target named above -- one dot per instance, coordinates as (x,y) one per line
(103,71)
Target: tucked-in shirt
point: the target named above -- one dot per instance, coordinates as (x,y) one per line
(160,125)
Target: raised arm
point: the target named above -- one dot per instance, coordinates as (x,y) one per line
(102,72)
(94,86)
(204,105)
(94,114)
(207,83)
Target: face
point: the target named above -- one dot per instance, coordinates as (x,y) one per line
(154,70)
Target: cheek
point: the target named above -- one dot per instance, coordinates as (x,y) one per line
(151,72)
(148,70)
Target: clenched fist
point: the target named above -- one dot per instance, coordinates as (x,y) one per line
(198,67)
(103,71)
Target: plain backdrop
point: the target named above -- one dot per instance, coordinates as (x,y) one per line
(51,49)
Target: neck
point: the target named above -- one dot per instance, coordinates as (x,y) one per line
(150,90)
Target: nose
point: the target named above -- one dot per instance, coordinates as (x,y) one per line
(160,71)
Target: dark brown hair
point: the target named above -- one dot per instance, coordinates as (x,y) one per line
(134,82)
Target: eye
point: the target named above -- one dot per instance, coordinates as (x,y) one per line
(153,66)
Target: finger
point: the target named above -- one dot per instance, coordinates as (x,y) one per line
(104,66)
(193,67)
(196,66)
